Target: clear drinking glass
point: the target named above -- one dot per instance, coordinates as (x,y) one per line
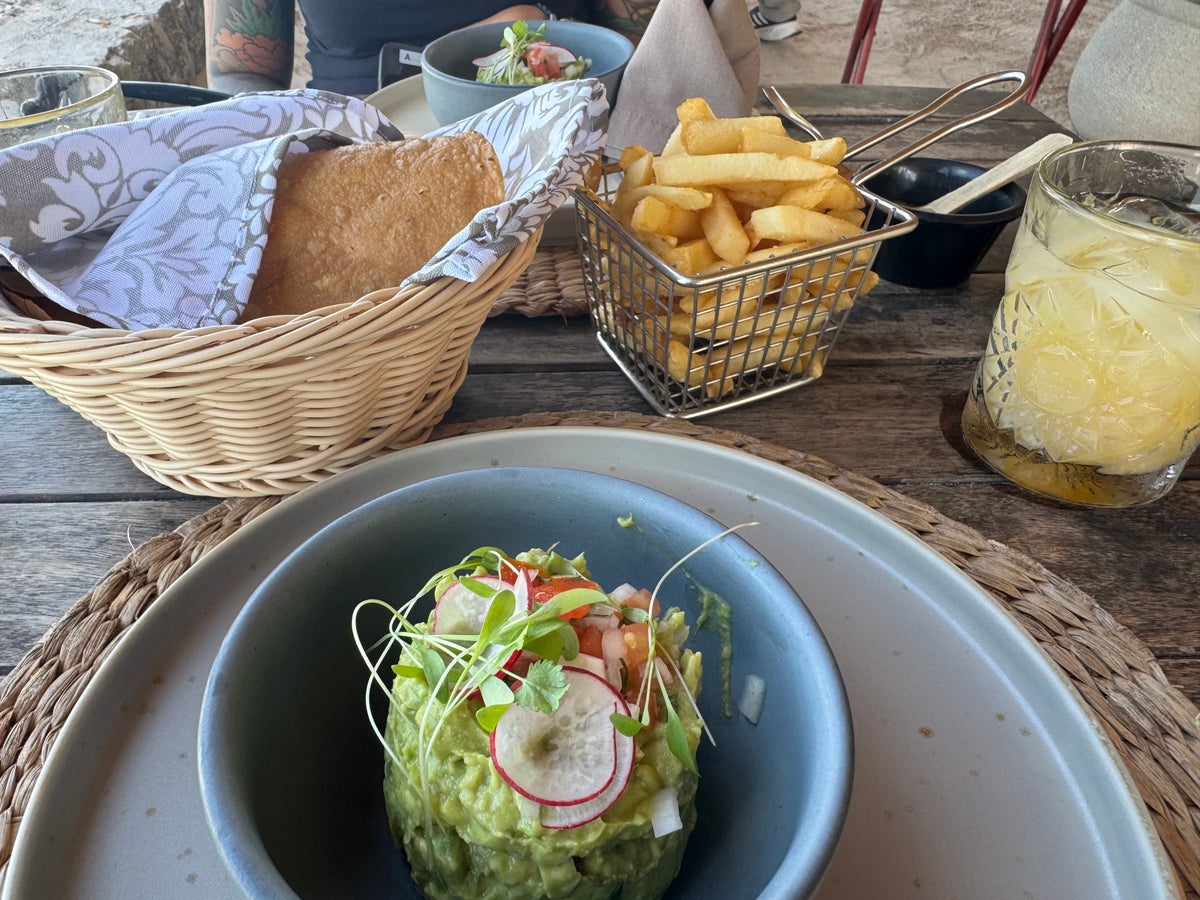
(48,100)
(1089,386)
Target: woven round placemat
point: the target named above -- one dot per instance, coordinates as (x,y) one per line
(1154,727)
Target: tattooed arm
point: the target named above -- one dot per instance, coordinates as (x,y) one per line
(249,44)
(630,17)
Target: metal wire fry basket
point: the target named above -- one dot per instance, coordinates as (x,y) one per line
(697,344)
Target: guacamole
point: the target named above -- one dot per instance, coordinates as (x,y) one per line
(477,839)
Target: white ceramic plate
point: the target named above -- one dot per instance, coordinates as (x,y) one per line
(978,773)
(403,102)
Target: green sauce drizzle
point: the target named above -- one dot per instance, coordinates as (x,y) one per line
(717,616)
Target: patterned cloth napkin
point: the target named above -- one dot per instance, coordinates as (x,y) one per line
(162,220)
(687,51)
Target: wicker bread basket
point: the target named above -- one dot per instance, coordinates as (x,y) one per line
(275,404)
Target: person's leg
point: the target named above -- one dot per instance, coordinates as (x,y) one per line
(775,20)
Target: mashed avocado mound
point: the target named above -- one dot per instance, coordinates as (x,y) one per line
(469,835)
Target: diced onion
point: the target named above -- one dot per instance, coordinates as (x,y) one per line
(664,811)
(612,645)
(754,694)
(605,621)
(623,592)
(529,809)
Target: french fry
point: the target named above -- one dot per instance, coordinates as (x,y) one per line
(796,317)
(692,257)
(760,141)
(823,194)
(637,164)
(794,223)
(721,169)
(683,197)
(753,354)
(665,219)
(685,366)
(756,194)
(855,217)
(707,136)
(692,110)
(830,151)
(723,229)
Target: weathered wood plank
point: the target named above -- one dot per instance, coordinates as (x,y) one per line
(881,102)
(50,450)
(1139,564)
(891,421)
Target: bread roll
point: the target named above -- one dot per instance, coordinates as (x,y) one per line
(354,219)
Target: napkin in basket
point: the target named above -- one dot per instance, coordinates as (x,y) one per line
(689,50)
(161,221)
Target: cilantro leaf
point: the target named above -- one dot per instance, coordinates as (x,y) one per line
(543,686)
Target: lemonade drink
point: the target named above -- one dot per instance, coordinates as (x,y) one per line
(1089,387)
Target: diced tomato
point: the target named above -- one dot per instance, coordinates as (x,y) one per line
(543,64)
(591,641)
(513,565)
(637,643)
(541,591)
(643,599)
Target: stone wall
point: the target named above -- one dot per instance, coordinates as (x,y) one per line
(140,40)
(168,46)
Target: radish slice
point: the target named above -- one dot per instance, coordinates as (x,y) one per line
(489,60)
(569,756)
(664,811)
(562,54)
(590,663)
(560,817)
(460,610)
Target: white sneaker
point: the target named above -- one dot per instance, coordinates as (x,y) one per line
(773,31)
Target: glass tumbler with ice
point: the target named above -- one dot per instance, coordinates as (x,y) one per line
(1089,386)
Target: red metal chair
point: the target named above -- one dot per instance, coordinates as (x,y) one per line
(1052,33)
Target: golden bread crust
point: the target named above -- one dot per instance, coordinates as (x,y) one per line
(350,220)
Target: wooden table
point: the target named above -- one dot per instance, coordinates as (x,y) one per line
(887,407)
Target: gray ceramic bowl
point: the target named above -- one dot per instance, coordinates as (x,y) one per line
(945,248)
(448,72)
(291,772)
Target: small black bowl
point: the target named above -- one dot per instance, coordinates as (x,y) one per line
(944,249)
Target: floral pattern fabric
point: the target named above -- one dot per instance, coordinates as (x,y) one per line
(161,221)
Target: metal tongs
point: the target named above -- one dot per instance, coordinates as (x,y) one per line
(785,109)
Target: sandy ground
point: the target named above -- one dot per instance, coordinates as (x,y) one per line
(917,42)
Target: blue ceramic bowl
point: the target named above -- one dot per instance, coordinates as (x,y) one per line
(291,771)
(945,248)
(448,72)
